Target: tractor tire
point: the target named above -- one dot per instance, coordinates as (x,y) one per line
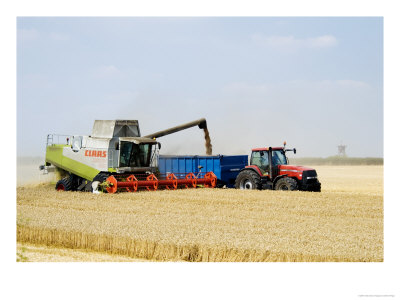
(286,184)
(64,184)
(101,177)
(248,180)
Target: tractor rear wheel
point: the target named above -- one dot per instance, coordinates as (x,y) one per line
(286,184)
(64,184)
(248,180)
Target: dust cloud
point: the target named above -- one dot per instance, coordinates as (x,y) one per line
(208,142)
(28,173)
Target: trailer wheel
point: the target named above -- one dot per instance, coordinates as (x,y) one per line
(286,184)
(248,180)
(64,184)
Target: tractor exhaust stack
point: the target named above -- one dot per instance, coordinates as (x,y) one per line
(271,176)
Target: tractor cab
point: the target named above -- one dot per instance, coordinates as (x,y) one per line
(260,157)
(269,160)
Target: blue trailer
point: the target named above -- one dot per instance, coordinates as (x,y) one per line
(225,167)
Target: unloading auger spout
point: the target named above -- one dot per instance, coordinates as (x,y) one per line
(202,123)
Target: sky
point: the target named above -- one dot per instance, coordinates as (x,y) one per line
(259,81)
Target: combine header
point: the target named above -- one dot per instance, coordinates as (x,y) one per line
(152,183)
(116,158)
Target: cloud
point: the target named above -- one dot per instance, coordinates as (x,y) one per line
(109,71)
(243,89)
(290,90)
(26,35)
(321,41)
(122,97)
(311,114)
(35,81)
(352,83)
(59,37)
(292,43)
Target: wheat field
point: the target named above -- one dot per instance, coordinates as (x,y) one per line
(31,252)
(342,223)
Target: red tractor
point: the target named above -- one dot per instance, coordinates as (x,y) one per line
(269,169)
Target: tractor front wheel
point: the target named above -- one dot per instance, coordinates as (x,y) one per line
(248,180)
(286,184)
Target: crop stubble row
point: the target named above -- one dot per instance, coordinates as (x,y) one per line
(343,223)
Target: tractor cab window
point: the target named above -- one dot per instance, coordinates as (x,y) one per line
(260,159)
(134,155)
(278,158)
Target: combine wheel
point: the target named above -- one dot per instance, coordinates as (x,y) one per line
(64,184)
(248,180)
(100,178)
(286,184)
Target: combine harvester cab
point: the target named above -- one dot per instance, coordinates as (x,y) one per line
(116,157)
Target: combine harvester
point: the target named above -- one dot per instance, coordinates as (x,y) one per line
(118,158)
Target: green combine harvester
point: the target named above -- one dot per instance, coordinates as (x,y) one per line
(115,157)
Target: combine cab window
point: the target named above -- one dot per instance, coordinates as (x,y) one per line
(134,155)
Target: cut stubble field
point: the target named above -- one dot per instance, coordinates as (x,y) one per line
(342,223)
